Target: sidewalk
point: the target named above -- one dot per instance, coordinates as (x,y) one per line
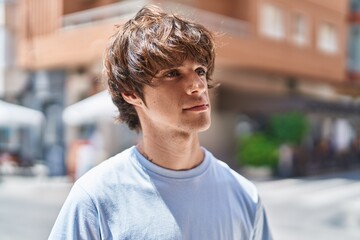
(30,205)
(315,207)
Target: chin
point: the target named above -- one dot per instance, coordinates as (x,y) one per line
(198,124)
(201,125)
(205,126)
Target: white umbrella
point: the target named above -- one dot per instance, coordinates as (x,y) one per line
(16,115)
(98,107)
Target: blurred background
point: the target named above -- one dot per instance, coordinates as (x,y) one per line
(287,113)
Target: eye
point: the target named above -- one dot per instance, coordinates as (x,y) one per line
(201,71)
(172,73)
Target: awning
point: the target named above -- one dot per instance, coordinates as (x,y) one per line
(12,115)
(98,107)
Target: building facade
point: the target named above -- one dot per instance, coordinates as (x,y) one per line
(272,56)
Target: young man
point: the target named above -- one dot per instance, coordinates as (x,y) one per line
(158,67)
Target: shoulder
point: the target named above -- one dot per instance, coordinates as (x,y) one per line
(109,173)
(236,180)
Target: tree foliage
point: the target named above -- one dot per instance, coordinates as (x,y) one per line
(288,128)
(261,149)
(258,150)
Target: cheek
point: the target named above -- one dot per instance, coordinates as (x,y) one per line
(167,98)
(164,99)
(162,103)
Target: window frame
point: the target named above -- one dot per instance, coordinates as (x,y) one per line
(328,48)
(279,32)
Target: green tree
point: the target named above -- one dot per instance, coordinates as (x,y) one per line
(288,128)
(257,150)
(261,149)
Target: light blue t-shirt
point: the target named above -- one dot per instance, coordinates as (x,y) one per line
(128,197)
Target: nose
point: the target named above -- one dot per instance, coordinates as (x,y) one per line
(197,84)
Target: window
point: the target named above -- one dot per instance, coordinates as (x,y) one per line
(2,13)
(327,38)
(354,49)
(272,22)
(299,31)
(355,5)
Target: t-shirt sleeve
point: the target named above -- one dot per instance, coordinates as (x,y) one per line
(261,226)
(78,218)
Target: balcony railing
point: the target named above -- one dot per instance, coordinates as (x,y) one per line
(117,10)
(39,17)
(123,10)
(216,22)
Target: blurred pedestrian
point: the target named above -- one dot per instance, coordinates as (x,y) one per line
(158,68)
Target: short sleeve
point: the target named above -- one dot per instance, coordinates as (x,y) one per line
(261,226)
(78,218)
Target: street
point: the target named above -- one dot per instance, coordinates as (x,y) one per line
(314,208)
(308,208)
(29,206)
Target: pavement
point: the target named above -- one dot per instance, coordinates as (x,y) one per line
(322,207)
(325,207)
(30,205)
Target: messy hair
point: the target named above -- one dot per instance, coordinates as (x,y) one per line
(146,44)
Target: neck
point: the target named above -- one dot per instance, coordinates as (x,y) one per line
(175,151)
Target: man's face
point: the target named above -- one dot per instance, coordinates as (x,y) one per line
(179,100)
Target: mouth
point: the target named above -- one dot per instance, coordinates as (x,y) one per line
(198,108)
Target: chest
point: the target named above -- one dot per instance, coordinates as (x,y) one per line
(206,210)
(178,211)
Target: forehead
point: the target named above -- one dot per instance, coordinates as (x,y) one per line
(174,56)
(184,64)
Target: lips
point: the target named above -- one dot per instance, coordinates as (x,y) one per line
(195,108)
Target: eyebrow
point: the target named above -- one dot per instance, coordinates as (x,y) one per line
(163,71)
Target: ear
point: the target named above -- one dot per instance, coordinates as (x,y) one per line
(132,99)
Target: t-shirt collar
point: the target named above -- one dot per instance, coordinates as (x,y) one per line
(181,174)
